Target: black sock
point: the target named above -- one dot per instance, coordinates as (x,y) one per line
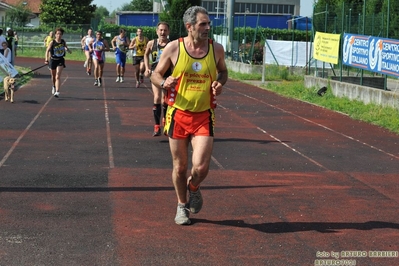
(156,109)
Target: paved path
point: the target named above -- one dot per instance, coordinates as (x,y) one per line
(83,182)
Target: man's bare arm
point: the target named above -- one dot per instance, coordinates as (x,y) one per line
(168,59)
(147,54)
(221,64)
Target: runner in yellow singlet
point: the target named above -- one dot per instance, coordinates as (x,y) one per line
(199,73)
(49,38)
(138,45)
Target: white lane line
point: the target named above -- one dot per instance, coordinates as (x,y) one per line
(108,129)
(294,150)
(320,125)
(15,144)
(217,163)
(287,146)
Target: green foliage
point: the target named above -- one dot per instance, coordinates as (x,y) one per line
(272,73)
(141,5)
(67,11)
(126,7)
(385,117)
(101,12)
(393,18)
(176,10)
(261,34)
(353,16)
(19,14)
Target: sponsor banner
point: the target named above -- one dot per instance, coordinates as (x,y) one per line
(380,55)
(326,47)
(6,68)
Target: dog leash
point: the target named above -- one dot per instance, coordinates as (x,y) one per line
(32,70)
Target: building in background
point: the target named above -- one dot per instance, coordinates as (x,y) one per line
(32,5)
(249,13)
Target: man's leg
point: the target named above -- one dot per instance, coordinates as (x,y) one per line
(136,67)
(178,148)
(57,80)
(142,70)
(202,153)
(95,64)
(157,110)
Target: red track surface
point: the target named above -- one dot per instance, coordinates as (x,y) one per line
(83,182)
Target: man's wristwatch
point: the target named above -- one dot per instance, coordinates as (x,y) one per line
(163,82)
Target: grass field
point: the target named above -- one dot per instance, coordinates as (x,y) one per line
(76,55)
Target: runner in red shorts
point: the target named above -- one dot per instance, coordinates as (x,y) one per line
(199,73)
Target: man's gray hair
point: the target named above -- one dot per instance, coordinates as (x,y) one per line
(190,16)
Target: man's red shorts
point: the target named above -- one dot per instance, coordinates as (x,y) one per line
(183,124)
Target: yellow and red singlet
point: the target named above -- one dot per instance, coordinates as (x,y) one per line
(193,92)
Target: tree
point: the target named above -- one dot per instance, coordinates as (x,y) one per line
(393,18)
(175,14)
(141,5)
(126,7)
(19,14)
(67,11)
(375,16)
(101,12)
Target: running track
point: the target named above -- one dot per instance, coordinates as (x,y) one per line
(83,182)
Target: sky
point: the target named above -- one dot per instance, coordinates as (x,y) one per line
(111,5)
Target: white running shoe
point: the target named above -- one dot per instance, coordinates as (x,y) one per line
(182,214)
(85,64)
(118,79)
(53,90)
(121,79)
(56,94)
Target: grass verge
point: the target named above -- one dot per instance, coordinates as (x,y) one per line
(293,87)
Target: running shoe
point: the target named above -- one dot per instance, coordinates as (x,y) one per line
(85,64)
(53,90)
(88,72)
(121,79)
(95,82)
(56,94)
(141,78)
(137,84)
(182,214)
(195,200)
(99,82)
(157,131)
(118,79)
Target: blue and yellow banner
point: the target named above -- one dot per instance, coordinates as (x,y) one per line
(375,54)
(326,47)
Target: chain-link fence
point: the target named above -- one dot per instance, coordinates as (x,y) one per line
(360,18)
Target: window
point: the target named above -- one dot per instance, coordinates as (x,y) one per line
(237,7)
(258,8)
(275,9)
(269,8)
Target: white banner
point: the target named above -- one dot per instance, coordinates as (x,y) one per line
(7,68)
(288,53)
